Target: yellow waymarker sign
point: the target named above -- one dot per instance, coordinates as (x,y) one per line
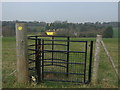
(19,27)
(50,33)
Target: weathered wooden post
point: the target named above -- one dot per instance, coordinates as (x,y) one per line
(96,59)
(21,50)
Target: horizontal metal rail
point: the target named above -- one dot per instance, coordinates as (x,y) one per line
(54,44)
(33,38)
(55,59)
(64,51)
(31,61)
(47,44)
(63,62)
(65,40)
(63,80)
(31,54)
(32,68)
(56,40)
(31,45)
(64,73)
(55,65)
(48,36)
(33,49)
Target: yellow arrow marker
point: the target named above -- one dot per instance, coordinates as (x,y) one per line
(19,27)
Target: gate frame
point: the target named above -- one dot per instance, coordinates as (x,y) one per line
(68,40)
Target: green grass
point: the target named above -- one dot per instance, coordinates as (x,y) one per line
(106,73)
(108,76)
(115,32)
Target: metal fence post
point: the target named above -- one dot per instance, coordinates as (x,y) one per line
(68,38)
(37,48)
(86,44)
(52,49)
(42,59)
(90,62)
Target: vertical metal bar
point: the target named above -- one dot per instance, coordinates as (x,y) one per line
(37,58)
(39,61)
(67,70)
(90,62)
(36,48)
(85,62)
(52,48)
(42,59)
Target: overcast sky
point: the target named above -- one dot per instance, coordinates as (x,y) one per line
(51,11)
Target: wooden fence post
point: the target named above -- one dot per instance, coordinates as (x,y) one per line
(21,51)
(96,59)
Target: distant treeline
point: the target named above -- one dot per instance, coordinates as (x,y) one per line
(63,28)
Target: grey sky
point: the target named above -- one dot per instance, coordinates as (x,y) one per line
(51,11)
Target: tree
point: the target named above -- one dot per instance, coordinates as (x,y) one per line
(108,33)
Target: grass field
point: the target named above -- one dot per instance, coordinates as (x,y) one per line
(115,33)
(106,74)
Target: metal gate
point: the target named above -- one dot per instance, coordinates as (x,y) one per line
(58,58)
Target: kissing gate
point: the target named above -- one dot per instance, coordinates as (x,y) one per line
(60,58)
